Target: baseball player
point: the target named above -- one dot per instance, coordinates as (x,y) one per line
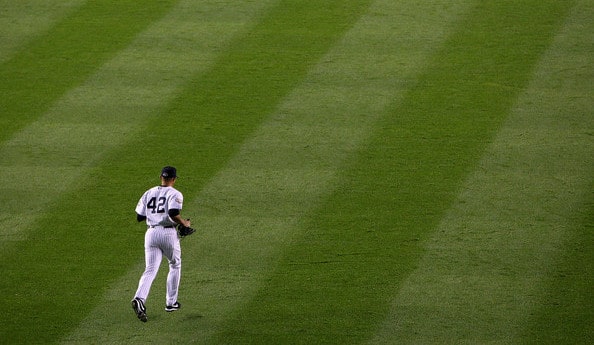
(160,207)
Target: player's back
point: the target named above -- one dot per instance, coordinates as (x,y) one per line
(156,203)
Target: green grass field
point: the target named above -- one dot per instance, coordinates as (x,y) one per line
(359,171)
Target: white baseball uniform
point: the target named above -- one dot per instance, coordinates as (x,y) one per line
(160,239)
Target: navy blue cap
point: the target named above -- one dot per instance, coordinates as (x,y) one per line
(168,172)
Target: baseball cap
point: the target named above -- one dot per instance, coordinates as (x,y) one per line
(169,172)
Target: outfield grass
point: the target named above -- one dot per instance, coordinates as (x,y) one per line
(359,172)
(67,54)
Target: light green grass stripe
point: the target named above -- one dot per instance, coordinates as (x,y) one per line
(337,276)
(48,157)
(245,70)
(21,21)
(253,207)
(64,56)
(487,266)
(67,144)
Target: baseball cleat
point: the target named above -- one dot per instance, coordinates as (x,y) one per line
(139,309)
(173,307)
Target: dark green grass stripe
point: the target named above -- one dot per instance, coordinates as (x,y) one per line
(226,104)
(336,281)
(67,54)
(66,265)
(566,314)
(219,109)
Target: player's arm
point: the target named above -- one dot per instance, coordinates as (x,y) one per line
(175,215)
(140,208)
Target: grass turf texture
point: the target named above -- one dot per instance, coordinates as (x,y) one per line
(333,276)
(336,277)
(67,54)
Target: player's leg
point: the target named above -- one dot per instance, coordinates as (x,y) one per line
(152,256)
(173,254)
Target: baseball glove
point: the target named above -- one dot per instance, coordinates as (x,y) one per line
(184,231)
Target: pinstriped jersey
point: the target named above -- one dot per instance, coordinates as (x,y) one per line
(155,204)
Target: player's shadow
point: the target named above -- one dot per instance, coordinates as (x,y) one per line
(192,317)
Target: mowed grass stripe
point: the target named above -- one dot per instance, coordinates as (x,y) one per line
(67,54)
(225,105)
(251,209)
(511,262)
(279,42)
(564,309)
(337,279)
(22,21)
(48,157)
(53,157)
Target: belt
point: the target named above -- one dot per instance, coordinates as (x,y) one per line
(164,227)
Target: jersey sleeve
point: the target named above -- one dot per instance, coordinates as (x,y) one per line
(141,206)
(176,201)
